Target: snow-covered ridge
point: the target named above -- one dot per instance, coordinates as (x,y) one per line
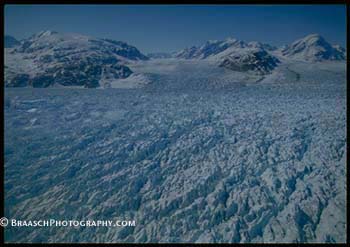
(49,58)
(210,49)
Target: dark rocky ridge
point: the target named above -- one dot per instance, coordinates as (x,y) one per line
(258,61)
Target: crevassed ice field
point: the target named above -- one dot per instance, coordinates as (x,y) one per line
(194,156)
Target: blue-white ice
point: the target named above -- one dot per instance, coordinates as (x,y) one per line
(200,154)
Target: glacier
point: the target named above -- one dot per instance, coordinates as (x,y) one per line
(199,154)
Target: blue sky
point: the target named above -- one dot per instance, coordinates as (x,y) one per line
(155,28)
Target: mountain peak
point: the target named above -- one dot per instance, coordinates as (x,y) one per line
(314,35)
(210,48)
(312,39)
(45,33)
(313,47)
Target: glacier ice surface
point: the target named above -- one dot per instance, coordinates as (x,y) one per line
(197,155)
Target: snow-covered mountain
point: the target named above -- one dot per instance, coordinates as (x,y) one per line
(210,48)
(313,48)
(10,41)
(235,54)
(259,57)
(50,58)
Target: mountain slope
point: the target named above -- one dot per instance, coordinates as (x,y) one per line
(258,61)
(313,48)
(210,48)
(51,58)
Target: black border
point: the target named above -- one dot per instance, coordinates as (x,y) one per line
(186,2)
(174,2)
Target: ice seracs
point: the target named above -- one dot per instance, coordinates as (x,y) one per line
(261,163)
(200,154)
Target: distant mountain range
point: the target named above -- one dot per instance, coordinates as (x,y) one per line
(263,58)
(310,48)
(50,58)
